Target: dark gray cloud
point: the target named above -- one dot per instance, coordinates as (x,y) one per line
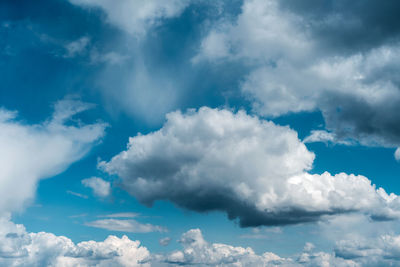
(337,57)
(349,26)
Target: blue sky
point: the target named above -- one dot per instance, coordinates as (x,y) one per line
(215,133)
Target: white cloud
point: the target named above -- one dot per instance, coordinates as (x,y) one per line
(100,187)
(136,17)
(251,169)
(30,153)
(20,248)
(292,70)
(131,226)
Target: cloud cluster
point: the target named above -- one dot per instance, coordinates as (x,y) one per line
(197,251)
(293,67)
(135,17)
(33,152)
(251,169)
(20,248)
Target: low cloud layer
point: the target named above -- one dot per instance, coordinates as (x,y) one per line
(20,248)
(30,153)
(253,170)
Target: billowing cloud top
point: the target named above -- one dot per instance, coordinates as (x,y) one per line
(254,170)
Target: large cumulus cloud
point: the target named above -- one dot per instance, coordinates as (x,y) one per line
(33,152)
(253,170)
(318,56)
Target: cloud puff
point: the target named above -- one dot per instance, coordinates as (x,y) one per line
(20,248)
(292,69)
(76,47)
(33,152)
(164,241)
(100,187)
(136,17)
(397,154)
(251,169)
(131,226)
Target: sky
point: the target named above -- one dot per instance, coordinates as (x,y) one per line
(199,133)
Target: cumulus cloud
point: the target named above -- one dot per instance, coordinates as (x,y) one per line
(294,70)
(136,17)
(20,248)
(131,226)
(30,153)
(100,187)
(253,170)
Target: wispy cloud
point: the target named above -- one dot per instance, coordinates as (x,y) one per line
(120,215)
(131,226)
(77,194)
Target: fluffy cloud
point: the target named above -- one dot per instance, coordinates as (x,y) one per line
(251,169)
(100,187)
(131,226)
(20,248)
(197,251)
(33,152)
(136,17)
(293,69)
